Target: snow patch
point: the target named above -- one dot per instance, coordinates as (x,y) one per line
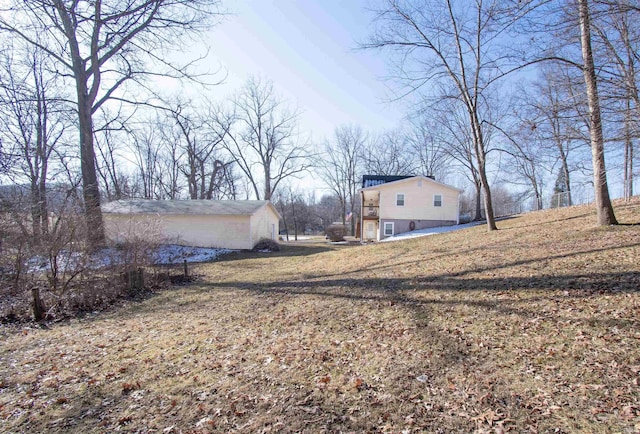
(172,253)
(429,231)
(163,255)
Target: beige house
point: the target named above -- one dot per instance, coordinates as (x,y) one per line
(231,224)
(396,204)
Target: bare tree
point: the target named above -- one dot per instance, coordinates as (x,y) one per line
(604,207)
(295,210)
(170,159)
(424,139)
(458,45)
(33,120)
(525,163)
(341,167)
(110,140)
(457,139)
(553,117)
(264,139)
(201,145)
(146,150)
(103,45)
(390,153)
(620,40)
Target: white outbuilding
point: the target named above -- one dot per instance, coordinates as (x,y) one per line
(231,224)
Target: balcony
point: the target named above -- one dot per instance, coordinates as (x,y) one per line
(370,212)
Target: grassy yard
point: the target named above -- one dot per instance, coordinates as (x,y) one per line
(533,328)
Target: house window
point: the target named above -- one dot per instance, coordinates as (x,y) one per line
(388,229)
(437,200)
(400,199)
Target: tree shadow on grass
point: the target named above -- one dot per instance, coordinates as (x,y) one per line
(418,293)
(547,222)
(386,264)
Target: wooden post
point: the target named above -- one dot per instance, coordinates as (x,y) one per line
(135,279)
(38,311)
(140,279)
(186,270)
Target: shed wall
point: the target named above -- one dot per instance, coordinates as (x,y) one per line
(220,231)
(264,224)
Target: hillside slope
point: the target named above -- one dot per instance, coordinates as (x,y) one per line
(535,327)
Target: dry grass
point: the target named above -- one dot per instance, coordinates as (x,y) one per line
(531,328)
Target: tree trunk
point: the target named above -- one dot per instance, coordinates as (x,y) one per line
(267,182)
(627,146)
(90,187)
(488,205)
(478,215)
(565,168)
(35,210)
(482,171)
(604,208)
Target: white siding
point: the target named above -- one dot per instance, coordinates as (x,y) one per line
(418,201)
(223,231)
(264,224)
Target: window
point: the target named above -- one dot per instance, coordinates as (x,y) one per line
(437,200)
(388,229)
(400,199)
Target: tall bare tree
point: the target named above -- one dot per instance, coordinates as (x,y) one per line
(341,166)
(390,153)
(458,46)
(146,149)
(263,138)
(424,137)
(620,41)
(604,207)
(33,120)
(460,147)
(103,45)
(554,119)
(202,164)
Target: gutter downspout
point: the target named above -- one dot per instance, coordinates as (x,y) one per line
(458,210)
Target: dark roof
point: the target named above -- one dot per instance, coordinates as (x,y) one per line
(196,207)
(371,180)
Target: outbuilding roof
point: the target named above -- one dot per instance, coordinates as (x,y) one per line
(194,207)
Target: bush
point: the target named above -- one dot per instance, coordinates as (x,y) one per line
(336,232)
(266,245)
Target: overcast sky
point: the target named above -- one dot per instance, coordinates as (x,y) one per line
(308,49)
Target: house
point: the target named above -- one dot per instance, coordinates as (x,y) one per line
(231,224)
(396,204)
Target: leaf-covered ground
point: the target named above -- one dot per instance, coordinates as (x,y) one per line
(533,328)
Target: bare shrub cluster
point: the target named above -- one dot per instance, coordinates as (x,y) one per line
(51,273)
(268,245)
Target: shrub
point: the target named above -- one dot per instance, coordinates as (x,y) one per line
(266,245)
(336,232)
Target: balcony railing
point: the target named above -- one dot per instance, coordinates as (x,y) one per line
(370,212)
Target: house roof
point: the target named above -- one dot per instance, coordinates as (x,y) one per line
(401,179)
(371,180)
(195,207)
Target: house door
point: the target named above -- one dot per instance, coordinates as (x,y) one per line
(370,231)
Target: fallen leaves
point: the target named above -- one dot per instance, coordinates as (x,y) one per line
(535,333)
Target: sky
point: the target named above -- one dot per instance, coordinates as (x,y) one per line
(308,48)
